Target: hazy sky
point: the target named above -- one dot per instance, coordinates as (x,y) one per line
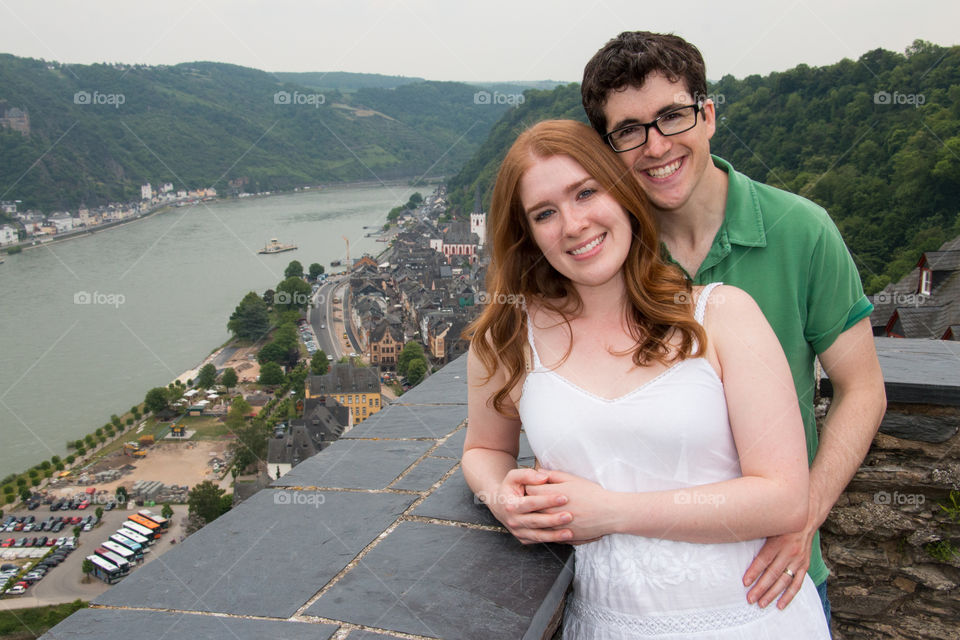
(468,41)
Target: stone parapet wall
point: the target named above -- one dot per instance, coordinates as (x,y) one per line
(892,548)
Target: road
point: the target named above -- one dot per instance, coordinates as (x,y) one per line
(64,583)
(327,320)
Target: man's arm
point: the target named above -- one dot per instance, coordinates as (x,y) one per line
(859,402)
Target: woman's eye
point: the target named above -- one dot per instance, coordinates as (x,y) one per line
(543,215)
(586,193)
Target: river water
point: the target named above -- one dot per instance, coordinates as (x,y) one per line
(89,325)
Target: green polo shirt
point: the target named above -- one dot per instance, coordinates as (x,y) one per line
(787,253)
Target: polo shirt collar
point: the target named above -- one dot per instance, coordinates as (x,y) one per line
(742,218)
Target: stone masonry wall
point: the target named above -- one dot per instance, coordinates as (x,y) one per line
(891,541)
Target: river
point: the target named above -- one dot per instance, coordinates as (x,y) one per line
(89,325)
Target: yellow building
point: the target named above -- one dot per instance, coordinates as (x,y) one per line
(357,388)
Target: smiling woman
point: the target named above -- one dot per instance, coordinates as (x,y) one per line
(648,415)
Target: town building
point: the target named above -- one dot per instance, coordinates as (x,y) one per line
(926,302)
(16,119)
(8,235)
(357,388)
(323,422)
(385,344)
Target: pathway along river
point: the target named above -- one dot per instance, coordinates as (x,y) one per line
(161,291)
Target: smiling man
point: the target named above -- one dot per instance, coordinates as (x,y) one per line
(646,94)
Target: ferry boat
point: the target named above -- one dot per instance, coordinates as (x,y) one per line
(335,263)
(275,246)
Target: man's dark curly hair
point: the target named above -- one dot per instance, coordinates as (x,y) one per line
(628,59)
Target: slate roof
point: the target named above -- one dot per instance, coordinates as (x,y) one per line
(345,378)
(377,536)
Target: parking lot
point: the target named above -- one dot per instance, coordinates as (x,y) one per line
(65,583)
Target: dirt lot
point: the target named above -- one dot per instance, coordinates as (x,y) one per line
(183,463)
(247,368)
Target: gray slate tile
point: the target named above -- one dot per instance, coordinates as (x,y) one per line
(266,557)
(113,624)
(356,464)
(453,500)
(447,582)
(414,421)
(422,476)
(447,386)
(453,448)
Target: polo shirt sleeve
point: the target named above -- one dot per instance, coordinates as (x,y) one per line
(835,298)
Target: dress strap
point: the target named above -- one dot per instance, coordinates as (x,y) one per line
(702,301)
(533,348)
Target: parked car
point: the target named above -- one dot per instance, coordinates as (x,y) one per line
(18,588)
(7,543)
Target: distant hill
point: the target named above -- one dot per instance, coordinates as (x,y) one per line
(876,141)
(344,81)
(97,132)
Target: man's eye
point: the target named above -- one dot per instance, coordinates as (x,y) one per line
(626,132)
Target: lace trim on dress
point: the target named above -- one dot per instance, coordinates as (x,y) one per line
(699,620)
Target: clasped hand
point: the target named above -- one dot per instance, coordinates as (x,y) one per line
(552,506)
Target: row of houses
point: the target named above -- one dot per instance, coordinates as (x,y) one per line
(33,225)
(425,290)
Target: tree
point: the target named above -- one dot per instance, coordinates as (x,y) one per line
(99,513)
(251,319)
(204,501)
(319,365)
(271,374)
(416,370)
(87,568)
(293,270)
(166,511)
(412,350)
(316,269)
(157,400)
(24,494)
(208,376)
(121,494)
(76,531)
(292,293)
(273,352)
(229,378)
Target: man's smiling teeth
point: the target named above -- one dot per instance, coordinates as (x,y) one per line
(590,246)
(664,171)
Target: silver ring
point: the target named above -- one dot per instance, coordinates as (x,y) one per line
(789,572)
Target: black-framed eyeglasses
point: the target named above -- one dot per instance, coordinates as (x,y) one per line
(670,123)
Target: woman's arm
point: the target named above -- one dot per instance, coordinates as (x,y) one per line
(490,464)
(771,496)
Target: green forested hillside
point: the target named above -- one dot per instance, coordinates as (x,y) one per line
(99,131)
(344,81)
(876,141)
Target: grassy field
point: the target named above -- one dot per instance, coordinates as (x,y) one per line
(24,624)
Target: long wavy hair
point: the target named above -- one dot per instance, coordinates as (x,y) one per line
(659,300)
